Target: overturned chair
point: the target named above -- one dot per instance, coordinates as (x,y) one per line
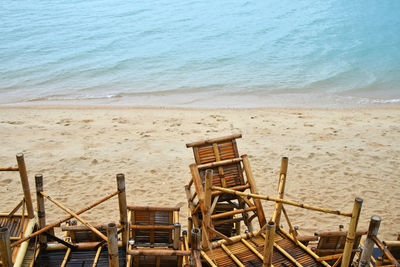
(155,237)
(220,214)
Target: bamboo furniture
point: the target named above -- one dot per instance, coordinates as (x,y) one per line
(83,243)
(331,245)
(217,163)
(155,237)
(17,225)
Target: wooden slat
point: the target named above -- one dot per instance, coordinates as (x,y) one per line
(233,257)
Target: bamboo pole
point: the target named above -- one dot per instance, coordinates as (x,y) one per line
(61,206)
(40,209)
(190,227)
(112,245)
(66,257)
(8,169)
(96,258)
(253,249)
(276,217)
(185,246)
(63,220)
(289,202)
(366,254)
(5,247)
(177,235)
(233,212)
(195,248)
(207,207)
(260,213)
(218,163)
(348,247)
(214,140)
(157,252)
(25,184)
(208,259)
(199,187)
(385,251)
(269,244)
(123,211)
(24,246)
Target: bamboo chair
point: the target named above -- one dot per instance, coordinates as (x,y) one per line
(226,211)
(390,253)
(155,237)
(331,245)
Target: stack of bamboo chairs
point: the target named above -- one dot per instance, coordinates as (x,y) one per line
(217,213)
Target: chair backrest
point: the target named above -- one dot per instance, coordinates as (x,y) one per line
(220,149)
(333,242)
(152,226)
(216,149)
(394,248)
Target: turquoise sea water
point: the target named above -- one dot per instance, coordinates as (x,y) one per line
(200,53)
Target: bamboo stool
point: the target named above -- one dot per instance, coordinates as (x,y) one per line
(229,170)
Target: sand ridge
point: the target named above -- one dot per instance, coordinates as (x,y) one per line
(334,156)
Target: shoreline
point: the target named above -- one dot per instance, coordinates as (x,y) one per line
(334,155)
(133,107)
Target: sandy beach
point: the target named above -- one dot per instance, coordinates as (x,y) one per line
(334,156)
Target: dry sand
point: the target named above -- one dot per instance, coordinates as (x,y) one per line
(334,156)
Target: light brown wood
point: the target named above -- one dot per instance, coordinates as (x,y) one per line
(177,235)
(232,256)
(40,209)
(253,249)
(5,247)
(214,140)
(348,247)
(157,252)
(269,244)
(96,258)
(289,202)
(287,255)
(198,185)
(276,217)
(123,211)
(306,249)
(292,230)
(260,212)
(233,212)
(152,208)
(218,163)
(112,241)
(25,184)
(207,207)
(208,259)
(76,216)
(48,227)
